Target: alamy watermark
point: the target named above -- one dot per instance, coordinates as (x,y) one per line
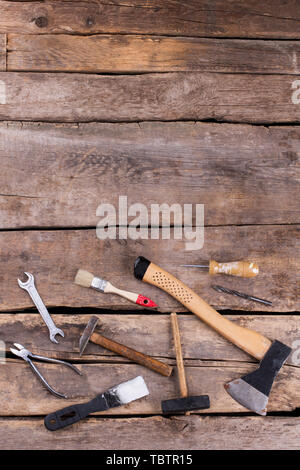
(2,92)
(182,222)
(296,93)
(2,352)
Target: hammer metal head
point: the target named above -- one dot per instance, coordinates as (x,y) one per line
(88,331)
(179,405)
(252,390)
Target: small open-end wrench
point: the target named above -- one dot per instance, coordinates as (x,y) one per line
(31,289)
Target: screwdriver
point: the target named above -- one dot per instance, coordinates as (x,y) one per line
(233,268)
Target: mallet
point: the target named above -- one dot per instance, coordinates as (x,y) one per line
(136,356)
(185,403)
(252,390)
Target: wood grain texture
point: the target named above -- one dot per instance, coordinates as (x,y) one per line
(54,257)
(182,433)
(2,52)
(57,175)
(222,18)
(171,96)
(150,334)
(136,53)
(23,395)
(180,369)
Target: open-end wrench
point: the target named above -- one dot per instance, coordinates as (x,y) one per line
(31,289)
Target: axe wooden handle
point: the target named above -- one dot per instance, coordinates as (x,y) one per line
(136,356)
(250,341)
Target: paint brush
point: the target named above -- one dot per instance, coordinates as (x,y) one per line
(86,279)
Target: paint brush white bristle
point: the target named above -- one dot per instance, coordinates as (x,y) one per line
(84,278)
(131,390)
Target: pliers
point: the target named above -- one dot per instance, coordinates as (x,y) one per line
(26,355)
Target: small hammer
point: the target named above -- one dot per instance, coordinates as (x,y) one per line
(136,356)
(185,403)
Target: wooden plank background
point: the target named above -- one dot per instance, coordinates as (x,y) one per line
(210,362)
(187,433)
(225,97)
(48,255)
(118,53)
(236,171)
(2,52)
(177,102)
(221,18)
(141,331)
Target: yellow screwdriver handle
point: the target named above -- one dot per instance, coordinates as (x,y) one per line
(234,268)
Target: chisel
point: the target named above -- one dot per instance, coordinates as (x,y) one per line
(233,268)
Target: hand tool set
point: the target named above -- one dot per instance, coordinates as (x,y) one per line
(252,391)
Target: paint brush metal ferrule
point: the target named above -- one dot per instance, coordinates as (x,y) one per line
(98,284)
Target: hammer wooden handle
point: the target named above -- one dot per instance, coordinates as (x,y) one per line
(234,268)
(136,356)
(248,340)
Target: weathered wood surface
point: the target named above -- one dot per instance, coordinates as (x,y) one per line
(136,53)
(54,257)
(22,394)
(182,433)
(171,96)
(212,362)
(2,52)
(150,334)
(222,18)
(57,175)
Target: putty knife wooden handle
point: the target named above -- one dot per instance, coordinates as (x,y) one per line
(250,341)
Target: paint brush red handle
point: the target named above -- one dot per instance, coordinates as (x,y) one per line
(135,298)
(86,279)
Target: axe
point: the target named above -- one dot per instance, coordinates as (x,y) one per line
(252,391)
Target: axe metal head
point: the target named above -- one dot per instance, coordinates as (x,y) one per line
(88,331)
(252,391)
